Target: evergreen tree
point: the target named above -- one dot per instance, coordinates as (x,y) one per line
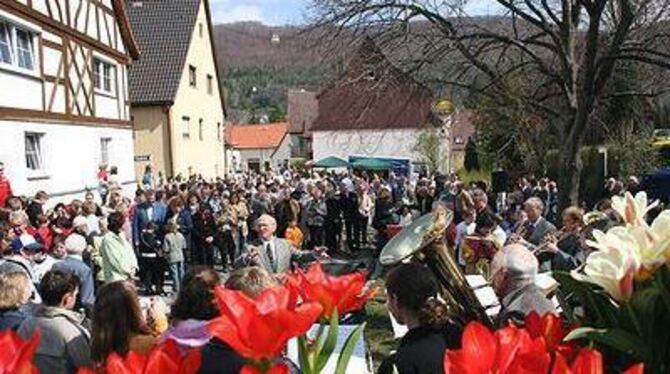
(471,158)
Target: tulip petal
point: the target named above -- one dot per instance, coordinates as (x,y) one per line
(588,361)
(635,369)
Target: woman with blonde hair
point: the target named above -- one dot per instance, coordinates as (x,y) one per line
(15,292)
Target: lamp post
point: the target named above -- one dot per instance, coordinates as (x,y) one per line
(443,109)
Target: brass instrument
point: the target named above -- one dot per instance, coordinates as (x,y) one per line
(424,241)
(559,235)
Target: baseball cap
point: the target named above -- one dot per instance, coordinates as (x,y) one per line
(27,242)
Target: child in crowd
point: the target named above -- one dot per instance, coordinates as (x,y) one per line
(174,245)
(294,235)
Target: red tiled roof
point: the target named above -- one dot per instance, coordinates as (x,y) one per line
(269,135)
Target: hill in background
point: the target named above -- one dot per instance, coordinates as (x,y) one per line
(261,63)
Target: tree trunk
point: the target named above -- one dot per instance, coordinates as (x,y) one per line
(570,170)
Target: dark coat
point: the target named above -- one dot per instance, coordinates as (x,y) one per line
(349,203)
(218,358)
(141,218)
(421,351)
(86,296)
(11,319)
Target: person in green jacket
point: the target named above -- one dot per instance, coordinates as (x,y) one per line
(118,257)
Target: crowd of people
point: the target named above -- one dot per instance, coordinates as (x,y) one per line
(80,270)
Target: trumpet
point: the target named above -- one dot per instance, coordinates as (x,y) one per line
(546,241)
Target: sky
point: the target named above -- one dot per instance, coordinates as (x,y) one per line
(283,12)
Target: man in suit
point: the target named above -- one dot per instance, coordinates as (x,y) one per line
(272,253)
(148,211)
(536,228)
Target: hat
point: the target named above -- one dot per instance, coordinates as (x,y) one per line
(79,221)
(75,244)
(27,242)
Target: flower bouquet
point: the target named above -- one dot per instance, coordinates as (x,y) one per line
(623,289)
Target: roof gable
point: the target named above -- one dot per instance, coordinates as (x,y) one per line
(263,136)
(163,29)
(373,94)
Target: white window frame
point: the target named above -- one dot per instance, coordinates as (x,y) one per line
(41,168)
(105,149)
(99,63)
(201,124)
(186,127)
(13,24)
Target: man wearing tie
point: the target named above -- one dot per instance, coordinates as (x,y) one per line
(537,228)
(272,253)
(149,211)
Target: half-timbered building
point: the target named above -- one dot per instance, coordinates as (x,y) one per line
(64,107)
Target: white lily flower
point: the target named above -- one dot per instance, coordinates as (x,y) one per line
(614,271)
(633,209)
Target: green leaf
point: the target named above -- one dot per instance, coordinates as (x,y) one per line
(620,340)
(600,310)
(329,345)
(348,349)
(303,356)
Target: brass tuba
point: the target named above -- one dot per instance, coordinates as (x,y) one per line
(424,241)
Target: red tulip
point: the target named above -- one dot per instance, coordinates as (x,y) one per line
(276,369)
(16,355)
(165,359)
(552,328)
(508,350)
(345,293)
(588,361)
(259,328)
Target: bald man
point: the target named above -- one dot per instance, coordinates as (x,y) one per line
(513,271)
(271,253)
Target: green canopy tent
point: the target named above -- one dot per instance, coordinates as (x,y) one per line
(374,164)
(331,162)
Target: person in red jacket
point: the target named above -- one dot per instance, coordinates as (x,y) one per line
(5,186)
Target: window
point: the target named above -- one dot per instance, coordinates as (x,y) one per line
(200,129)
(5,43)
(34,151)
(218,131)
(104,150)
(186,127)
(103,75)
(210,84)
(17,46)
(458,140)
(200,29)
(191,76)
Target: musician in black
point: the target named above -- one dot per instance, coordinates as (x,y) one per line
(413,301)
(564,249)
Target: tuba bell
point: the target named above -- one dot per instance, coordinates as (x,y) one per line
(424,241)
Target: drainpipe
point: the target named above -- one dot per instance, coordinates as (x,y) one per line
(169,172)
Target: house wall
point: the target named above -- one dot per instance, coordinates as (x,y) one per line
(277,157)
(193,154)
(70,154)
(58,101)
(151,139)
(381,143)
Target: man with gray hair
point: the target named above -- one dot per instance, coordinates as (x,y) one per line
(271,253)
(513,271)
